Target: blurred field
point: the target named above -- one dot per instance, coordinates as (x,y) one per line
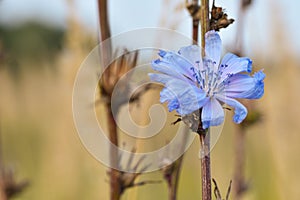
(39,139)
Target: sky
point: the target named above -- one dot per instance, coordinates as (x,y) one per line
(126,15)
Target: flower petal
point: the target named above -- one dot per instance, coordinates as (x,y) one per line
(213,47)
(245,86)
(167,96)
(175,62)
(240,111)
(164,78)
(232,64)
(212,114)
(193,54)
(168,69)
(182,96)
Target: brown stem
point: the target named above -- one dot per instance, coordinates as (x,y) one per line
(103,20)
(195,30)
(205,165)
(205,137)
(204,22)
(115,187)
(174,179)
(104,30)
(195,23)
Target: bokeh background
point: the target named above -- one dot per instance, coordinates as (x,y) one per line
(42,44)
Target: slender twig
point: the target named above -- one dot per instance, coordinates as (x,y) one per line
(196,22)
(218,193)
(205,165)
(205,137)
(174,175)
(104,30)
(115,188)
(204,22)
(174,179)
(194,8)
(103,20)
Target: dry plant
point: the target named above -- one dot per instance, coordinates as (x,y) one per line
(119,181)
(9,187)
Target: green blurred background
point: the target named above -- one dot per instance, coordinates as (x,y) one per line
(39,142)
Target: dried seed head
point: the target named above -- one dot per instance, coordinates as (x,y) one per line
(128,174)
(9,184)
(115,71)
(219,19)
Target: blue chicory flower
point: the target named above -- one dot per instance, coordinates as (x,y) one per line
(192,83)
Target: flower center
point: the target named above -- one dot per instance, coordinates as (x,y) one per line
(209,78)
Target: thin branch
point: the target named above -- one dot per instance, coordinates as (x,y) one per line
(103,20)
(104,32)
(205,165)
(115,188)
(204,22)
(205,137)
(228,190)
(171,170)
(145,182)
(217,191)
(173,178)
(115,193)
(194,9)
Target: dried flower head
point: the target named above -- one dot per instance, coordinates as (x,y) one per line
(219,19)
(116,70)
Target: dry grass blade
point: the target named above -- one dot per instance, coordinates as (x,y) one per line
(228,190)
(217,191)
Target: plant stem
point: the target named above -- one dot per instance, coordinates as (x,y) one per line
(174,179)
(115,186)
(204,22)
(104,30)
(205,165)
(103,20)
(205,137)
(195,23)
